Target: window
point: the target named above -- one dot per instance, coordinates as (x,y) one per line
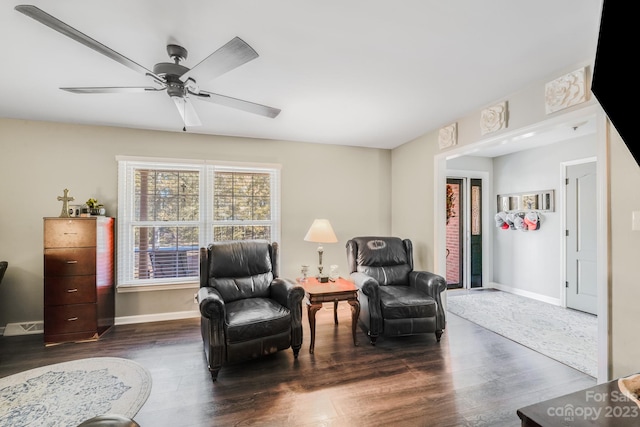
(167,210)
(242,206)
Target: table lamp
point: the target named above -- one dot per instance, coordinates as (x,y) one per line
(321,232)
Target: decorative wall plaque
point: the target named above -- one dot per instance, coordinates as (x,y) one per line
(565,91)
(493,118)
(448,136)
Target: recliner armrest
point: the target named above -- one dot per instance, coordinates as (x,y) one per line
(211,304)
(430,283)
(290,294)
(287,292)
(367,284)
(371,289)
(433,285)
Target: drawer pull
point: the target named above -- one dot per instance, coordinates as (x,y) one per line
(72,262)
(70,233)
(72,290)
(72,319)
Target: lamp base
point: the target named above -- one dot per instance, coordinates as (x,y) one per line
(322,279)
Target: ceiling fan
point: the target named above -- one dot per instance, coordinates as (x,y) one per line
(179,81)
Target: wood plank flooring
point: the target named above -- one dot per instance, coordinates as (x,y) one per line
(473,377)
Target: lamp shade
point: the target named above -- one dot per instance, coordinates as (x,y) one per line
(321,232)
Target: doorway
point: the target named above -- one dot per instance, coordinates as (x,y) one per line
(444,167)
(464,240)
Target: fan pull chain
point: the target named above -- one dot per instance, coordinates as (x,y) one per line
(184,114)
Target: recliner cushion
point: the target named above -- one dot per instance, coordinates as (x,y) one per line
(243,258)
(234,288)
(388,275)
(383,258)
(380,251)
(256,318)
(400,302)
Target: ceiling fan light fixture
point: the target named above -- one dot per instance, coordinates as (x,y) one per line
(178,80)
(185,108)
(176,90)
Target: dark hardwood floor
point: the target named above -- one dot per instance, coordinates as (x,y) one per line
(473,377)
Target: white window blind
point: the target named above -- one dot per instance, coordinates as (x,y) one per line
(167,210)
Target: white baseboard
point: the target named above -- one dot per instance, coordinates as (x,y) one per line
(37,327)
(23,328)
(159,317)
(528,294)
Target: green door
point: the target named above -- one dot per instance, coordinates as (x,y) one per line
(475,225)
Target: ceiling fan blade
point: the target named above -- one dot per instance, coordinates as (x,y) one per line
(65,29)
(111,89)
(232,55)
(239,104)
(186,110)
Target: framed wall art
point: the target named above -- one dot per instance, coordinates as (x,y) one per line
(527,201)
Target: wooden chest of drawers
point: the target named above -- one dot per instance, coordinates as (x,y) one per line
(78,278)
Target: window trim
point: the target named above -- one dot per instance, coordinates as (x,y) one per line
(126,202)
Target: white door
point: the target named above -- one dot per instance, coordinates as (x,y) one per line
(581,240)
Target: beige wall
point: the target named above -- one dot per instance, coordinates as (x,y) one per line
(624,257)
(412,197)
(349,186)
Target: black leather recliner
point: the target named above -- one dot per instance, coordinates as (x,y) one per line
(3,268)
(394,299)
(247,310)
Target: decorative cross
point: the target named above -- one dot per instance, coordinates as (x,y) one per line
(65,203)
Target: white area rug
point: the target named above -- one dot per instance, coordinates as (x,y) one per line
(565,335)
(66,394)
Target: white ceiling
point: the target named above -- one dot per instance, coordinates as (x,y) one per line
(368,73)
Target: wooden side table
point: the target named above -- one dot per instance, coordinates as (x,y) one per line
(339,290)
(600,405)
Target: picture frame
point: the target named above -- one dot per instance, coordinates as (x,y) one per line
(547,201)
(75,210)
(542,201)
(529,202)
(508,203)
(503,203)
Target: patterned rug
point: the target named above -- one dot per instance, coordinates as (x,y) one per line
(66,394)
(565,335)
